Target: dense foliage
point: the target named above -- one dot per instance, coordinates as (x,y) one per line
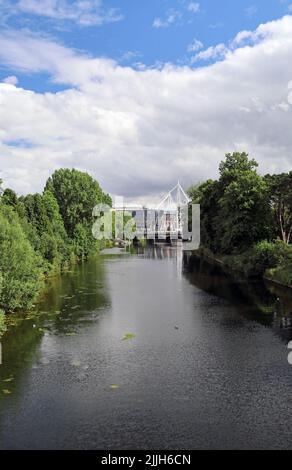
(20,265)
(40,233)
(77,194)
(2,322)
(247,217)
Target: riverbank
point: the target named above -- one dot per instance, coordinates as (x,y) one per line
(45,281)
(246,219)
(256,263)
(266,299)
(42,234)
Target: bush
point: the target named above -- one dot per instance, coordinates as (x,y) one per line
(20,266)
(282,272)
(266,255)
(269,257)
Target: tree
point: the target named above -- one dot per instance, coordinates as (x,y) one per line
(57,228)
(195,192)
(77,194)
(2,323)
(235,211)
(35,211)
(34,239)
(207,195)
(234,164)
(244,214)
(280,193)
(44,227)
(20,266)
(9,198)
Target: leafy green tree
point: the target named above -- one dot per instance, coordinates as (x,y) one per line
(45,228)
(244,216)
(235,211)
(56,228)
(2,323)
(207,195)
(34,239)
(77,194)
(195,192)
(35,212)
(9,198)
(235,164)
(280,192)
(39,228)
(20,266)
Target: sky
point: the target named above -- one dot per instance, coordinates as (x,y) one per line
(142,93)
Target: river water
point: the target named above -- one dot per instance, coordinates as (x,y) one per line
(144,351)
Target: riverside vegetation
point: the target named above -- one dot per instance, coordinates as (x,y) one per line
(44,233)
(246,223)
(246,219)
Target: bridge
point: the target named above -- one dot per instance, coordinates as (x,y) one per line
(161,222)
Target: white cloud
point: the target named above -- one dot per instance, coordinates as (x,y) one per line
(83,12)
(137,131)
(243,38)
(195,46)
(213,52)
(27,52)
(174,17)
(171,18)
(11,80)
(129,56)
(194,7)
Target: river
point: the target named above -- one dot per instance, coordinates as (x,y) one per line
(142,351)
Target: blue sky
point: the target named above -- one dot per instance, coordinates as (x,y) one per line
(148,32)
(143,93)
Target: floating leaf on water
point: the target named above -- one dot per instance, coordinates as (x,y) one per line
(6,391)
(128,336)
(76,363)
(70,334)
(114,387)
(8,380)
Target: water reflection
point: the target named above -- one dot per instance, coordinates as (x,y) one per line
(205,369)
(264,302)
(70,302)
